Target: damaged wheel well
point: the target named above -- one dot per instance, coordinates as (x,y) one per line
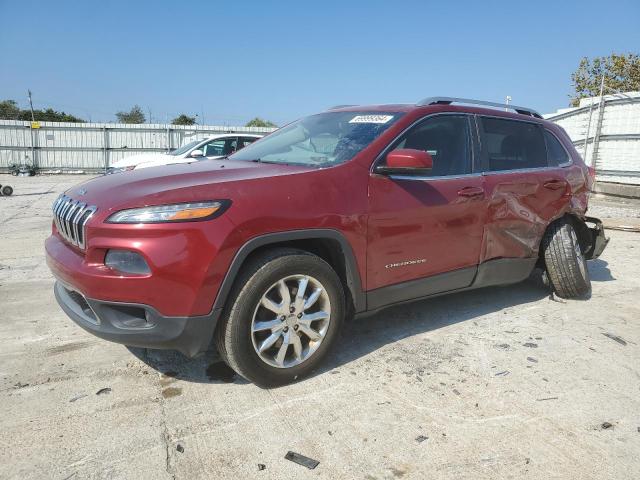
(584,233)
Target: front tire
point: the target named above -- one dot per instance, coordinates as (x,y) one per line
(565,261)
(284,315)
(7,190)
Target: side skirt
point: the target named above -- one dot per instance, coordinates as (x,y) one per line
(501,271)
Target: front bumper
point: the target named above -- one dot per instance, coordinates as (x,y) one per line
(137,325)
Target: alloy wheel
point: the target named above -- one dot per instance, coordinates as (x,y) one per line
(290,321)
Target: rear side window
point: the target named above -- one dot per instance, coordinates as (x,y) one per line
(556,154)
(513,145)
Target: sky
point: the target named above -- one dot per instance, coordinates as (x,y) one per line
(227,62)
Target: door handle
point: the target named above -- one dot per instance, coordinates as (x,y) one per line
(554,184)
(471,192)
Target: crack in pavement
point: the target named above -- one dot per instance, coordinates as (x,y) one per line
(166,437)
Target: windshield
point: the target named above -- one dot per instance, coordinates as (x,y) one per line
(320,140)
(185,148)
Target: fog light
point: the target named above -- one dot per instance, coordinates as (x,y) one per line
(127,262)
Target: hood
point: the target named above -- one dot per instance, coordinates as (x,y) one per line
(169,160)
(189,182)
(142,158)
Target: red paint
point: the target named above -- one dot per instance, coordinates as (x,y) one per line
(409,158)
(449,222)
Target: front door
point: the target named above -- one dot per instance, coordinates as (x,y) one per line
(425,232)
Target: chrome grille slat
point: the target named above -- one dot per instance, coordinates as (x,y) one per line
(74,220)
(70,218)
(67,221)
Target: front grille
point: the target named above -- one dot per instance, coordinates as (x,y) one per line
(71,217)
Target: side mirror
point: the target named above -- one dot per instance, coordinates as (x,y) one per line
(196,153)
(406,161)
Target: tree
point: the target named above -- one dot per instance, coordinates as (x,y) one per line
(50,115)
(9,110)
(258,122)
(135,115)
(183,119)
(621,74)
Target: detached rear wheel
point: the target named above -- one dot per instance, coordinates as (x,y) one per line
(565,261)
(286,312)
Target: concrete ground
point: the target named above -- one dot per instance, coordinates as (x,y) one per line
(496,383)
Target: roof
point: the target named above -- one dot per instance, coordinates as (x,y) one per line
(442,101)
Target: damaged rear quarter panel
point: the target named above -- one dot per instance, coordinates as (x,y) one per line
(520,207)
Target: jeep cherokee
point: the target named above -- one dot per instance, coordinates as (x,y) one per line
(334,215)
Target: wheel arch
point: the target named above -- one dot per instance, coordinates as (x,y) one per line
(330,245)
(583,232)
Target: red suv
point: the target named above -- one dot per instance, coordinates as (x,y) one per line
(337,214)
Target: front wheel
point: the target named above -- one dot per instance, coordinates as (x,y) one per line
(565,261)
(285,314)
(7,190)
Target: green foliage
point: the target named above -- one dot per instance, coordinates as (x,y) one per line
(135,115)
(9,110)
(621,74)
(183,119)
(258,122)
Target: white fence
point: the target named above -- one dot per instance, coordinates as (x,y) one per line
(606,134)
(93,147)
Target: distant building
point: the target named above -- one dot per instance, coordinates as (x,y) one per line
(612,132)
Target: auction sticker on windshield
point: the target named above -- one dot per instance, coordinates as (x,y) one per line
(371,119)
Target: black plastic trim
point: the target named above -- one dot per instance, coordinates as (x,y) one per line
(353,274)
(598,239)
(189,335)
(420,288)
(501,271)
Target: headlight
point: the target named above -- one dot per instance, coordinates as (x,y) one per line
(180,212)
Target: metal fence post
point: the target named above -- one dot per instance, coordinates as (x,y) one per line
(105,147)
(596,138)
(33,148)
(586,136)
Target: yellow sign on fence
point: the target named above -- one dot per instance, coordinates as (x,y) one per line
(35,124)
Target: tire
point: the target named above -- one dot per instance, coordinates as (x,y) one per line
(7,190)
(565,262)
(253,350)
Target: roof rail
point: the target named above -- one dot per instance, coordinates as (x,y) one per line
(450,100)
(341,106)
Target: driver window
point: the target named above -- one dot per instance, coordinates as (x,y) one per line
(447,139)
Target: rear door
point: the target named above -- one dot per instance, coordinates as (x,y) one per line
(424,232)
(523,191)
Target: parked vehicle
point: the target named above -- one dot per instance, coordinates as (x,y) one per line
(337,214)
(22,170)
(213,147)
